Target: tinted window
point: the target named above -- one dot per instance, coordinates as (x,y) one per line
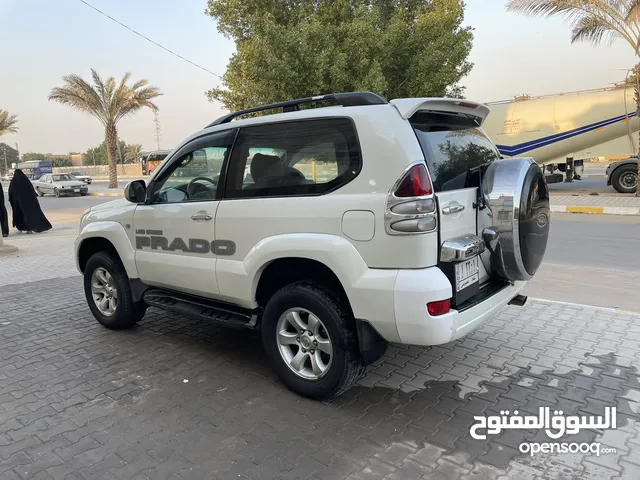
(452,145)
(194,174)
(294,158)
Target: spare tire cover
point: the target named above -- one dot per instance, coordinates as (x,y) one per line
(516,223)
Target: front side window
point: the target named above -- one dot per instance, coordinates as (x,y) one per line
(63,178)
(453,145)
(294,158)
(195,177)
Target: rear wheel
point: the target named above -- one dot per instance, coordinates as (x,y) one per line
(311,342)
(625,179)
(108,293)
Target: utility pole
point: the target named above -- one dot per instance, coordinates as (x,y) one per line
(6,169)
(156,127)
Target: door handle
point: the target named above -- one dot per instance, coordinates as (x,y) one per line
(201,216)
(454,209)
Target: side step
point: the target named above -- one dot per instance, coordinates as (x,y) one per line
(201,308)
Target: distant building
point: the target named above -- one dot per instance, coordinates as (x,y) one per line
(77,159)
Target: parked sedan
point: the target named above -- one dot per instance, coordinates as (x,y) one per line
(83,177)
(60,184)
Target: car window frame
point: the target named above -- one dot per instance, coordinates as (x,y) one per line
(170,163)
(234,162)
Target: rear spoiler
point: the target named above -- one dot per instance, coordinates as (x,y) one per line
(409,106)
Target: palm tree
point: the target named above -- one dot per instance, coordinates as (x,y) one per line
(593,21)
(109,102)
(132,152)
(7,123)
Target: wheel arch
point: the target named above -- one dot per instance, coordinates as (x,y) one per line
(106,236)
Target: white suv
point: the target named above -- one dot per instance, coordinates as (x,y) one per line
(362,222)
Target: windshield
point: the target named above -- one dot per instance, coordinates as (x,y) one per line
(62,178)
(452,145)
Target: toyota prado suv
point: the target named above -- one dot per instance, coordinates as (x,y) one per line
(334,226)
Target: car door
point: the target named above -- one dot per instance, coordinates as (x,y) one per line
(44,182)
(174,229)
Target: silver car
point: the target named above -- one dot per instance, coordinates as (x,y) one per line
(60,184)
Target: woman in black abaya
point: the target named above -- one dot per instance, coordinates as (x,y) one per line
(4,217)
(27,215)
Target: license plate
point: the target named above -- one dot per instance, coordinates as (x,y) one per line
(467,273)
(77,190)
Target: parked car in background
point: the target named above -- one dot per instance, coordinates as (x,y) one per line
(60,184)
(7,177)
(83,177)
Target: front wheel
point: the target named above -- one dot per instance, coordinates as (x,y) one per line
(625,179)
(311,342)
(56,192)
(108,293)
(39,192)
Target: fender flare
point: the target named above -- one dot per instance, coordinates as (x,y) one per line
(336,253)
(115,234)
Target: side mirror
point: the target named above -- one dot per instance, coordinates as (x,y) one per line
(136,191)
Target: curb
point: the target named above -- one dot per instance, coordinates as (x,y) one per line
(115,195)
(595,210)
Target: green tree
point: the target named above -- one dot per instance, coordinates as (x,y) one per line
(290,49)
(99,156)
(7,123)
(11,155)
(109,102)
(132,152)
(594,21)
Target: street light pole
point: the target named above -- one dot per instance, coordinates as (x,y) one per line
(6,170)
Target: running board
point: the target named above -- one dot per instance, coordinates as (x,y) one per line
(201,308)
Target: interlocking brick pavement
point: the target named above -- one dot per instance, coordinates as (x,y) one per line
(78,401)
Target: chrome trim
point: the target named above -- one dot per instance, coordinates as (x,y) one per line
(201,216)
(500,226)
(464,247)
(393,214)
(451,210)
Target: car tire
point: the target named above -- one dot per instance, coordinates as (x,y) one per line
(623,178)
(39,192)
(341,369)
(83,194)
(56,192)
(125,313)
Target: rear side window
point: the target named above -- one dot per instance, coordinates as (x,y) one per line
(307,157)
(453,145)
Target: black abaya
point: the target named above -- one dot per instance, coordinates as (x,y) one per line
(27,214)
(4,217)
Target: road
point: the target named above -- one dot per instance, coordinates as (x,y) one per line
(591,259)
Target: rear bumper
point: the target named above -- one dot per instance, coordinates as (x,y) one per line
(417,327)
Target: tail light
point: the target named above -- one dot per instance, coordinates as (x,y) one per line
(415,183)
(439,308)
(411,207)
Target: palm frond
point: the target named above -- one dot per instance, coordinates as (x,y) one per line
(591,20)
(108,100)
(594,30)
(8,122)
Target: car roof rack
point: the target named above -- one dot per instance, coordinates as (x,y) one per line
(353,99)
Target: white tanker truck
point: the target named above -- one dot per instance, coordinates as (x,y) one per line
(561,131)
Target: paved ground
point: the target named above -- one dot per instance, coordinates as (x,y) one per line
(179,399)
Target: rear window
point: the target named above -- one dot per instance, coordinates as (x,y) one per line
(452,145)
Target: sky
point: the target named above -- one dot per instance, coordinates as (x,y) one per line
(512,55)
